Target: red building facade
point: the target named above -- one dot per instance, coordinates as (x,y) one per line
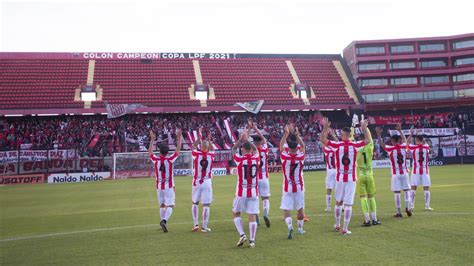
(433,71)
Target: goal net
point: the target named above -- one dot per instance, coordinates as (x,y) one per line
(138,164)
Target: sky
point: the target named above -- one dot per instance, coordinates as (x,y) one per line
(220,26)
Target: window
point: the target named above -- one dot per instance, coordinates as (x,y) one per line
(404,81)
(433,63)
(463,44)
(371,66)
(382,97)
(432,47)
(370,50)
(373,82)
(463,77)
(435,79)
(398,49)
(402,65)
(464,61)
(410,96)
(439,95)
(466,92)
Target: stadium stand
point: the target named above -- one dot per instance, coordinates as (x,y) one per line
(161,82)
(34,83)
(41,83)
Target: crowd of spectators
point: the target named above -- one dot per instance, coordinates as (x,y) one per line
(452,120)
(130,133)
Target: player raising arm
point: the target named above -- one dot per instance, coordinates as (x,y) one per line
(293,183)
(398,155)
(203,158)
(346,175)
(366,183)
(246,192)
(263,179)
(420,174)
(164,177)
(330,171)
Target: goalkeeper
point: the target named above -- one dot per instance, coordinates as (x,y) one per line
(366,183)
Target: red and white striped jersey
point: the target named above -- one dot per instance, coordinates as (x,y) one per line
(247,169)
(398,158)
(202,166)
(263,168)
(345,153)
(292,166)
(420,154)
(329,158)
(164,170)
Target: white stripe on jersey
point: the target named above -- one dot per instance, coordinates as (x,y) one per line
(202,165)
(164,170)
(329,158)
(398,158)
(263,169)
(292,166)
(420,155)
(247,180)
(346,155)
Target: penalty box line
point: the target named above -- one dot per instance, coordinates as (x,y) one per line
(182,222)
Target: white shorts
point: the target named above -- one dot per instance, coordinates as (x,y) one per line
(264,187)
(203,192)
(330,178)
(345,192)
(166,196)
(292,200)
(246,205)
(423,179)
(400,182)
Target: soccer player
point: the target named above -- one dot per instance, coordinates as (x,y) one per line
(293,183)
(420,173)
(164,177)
(346,175)
(246,193)
(263,179)
(366,183)
(330,172)
(202,182)
(398,156)
(293,138)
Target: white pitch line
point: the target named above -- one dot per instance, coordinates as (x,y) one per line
(182,222)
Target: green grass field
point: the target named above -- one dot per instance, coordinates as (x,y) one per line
(116,222)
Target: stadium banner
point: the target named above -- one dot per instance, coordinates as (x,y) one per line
(96,164)
(151,56)
(386,163)
(314,157)
(314,167)
(78,177)
(449,145)
(253,107)
(428,131)
(22,179)
(35,155)
(219,171)
(117,110)
(464,145)
(380,164)
(404,119)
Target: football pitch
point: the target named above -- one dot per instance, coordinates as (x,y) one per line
(117,222)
